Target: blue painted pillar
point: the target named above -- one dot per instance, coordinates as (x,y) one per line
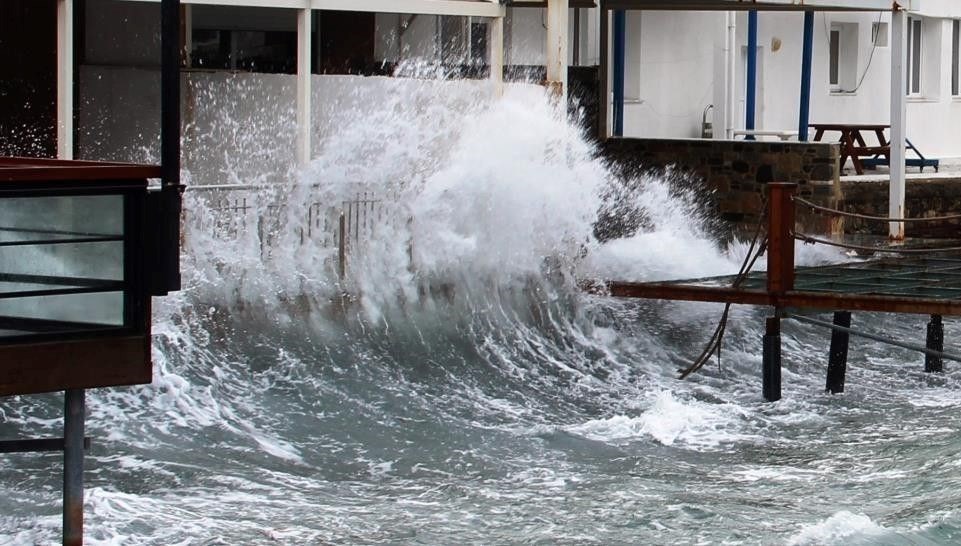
(751,98)
(620,52)
(806,59)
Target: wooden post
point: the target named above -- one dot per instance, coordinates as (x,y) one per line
(771,359)
(557,29)
(935,342)
(780,245)
(838,356)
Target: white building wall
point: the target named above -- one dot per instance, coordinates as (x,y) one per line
(932,117)
(676,68)
(674,77)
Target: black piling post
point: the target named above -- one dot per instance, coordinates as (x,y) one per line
(935,342)
(838,357)
(771,359)
(73,424)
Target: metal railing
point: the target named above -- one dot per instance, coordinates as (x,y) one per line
(346,227)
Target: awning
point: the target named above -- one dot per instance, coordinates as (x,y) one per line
(764,5)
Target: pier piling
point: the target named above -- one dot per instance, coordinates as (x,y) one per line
(838,356)
(73,430)
(935,342)
(771,359)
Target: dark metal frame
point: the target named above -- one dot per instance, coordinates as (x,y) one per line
(132,286)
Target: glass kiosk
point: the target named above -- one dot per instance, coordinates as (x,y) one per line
(74,303)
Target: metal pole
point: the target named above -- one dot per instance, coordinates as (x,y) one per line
(751,98)
(620,53)
(771,358)
(170,146)
(807,55)
(838,356)
(73,424)
(935,342)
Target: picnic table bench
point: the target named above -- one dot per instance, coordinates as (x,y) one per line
(864,156)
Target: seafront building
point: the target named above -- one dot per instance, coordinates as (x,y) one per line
(684,70)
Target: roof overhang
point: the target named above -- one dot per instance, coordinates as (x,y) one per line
(764,5)
(465,8)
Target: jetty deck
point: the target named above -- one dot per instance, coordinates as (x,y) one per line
(905,280)
(924,285)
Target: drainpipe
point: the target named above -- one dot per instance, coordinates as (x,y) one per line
(806,60)
(620,46)
(731,70)
(751,98)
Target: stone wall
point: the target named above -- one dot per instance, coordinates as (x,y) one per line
(923,198)
(735,172)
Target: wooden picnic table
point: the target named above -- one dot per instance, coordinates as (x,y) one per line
(852,141)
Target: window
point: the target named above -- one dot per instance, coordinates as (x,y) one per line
(462,45)
(956,59)
(247,50)
(843,57)
(879,34)
(915,30)
(835,69)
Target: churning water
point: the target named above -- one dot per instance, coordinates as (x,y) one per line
(467,391)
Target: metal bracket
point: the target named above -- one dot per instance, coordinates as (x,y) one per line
(36,445)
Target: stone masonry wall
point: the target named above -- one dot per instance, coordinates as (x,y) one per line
(737,172)
(923,198)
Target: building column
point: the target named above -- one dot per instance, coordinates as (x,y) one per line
(750,101)
(899,76)
(65,79)
(619,69)
(497,55)
(604,85)
(804,116)
(730,69)
(557,37)
(304,51)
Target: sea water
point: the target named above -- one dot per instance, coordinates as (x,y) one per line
(456,386)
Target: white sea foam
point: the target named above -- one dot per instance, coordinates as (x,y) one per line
(842,527)
(670,421)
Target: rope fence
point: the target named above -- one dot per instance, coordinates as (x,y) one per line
(884,219)
(808,239)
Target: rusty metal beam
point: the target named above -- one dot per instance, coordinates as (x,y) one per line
(795,299)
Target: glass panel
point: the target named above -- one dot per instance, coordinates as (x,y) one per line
(84,310)
(956,59)
(916,57)
(835,56)
(61,261)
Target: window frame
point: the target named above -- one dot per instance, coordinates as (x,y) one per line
(915,57)
(956,58)
(834,58)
